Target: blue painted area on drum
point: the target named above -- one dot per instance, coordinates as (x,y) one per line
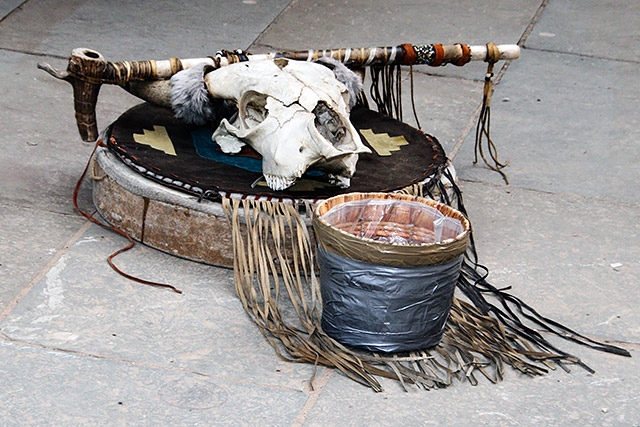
(209,149)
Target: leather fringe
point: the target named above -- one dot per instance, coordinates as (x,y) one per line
(276,281)
(483,127)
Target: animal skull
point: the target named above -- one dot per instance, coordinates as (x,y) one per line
(294,113)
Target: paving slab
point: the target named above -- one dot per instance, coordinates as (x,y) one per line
(604,29)
(56,388)
(81,305)
(566,124)
(573,258)
(362,23)
(7,6)
(607,398)
(43,155)
(28,240)
(82,346)
(134,31)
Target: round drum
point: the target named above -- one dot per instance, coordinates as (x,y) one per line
(161,180)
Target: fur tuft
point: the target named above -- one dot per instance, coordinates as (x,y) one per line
(351,80)
(190,99)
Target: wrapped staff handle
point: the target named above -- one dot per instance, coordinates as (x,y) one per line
(87,69)
(433,55)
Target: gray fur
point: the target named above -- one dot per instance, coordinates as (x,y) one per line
(190,99)
(351,80)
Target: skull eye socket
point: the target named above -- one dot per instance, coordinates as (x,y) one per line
(252,109)
(329,124)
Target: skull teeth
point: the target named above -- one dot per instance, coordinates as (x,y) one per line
(279,183)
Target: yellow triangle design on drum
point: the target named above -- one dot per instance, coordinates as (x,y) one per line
(158,139)
(382,142)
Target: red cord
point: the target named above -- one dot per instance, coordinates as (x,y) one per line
(131,244)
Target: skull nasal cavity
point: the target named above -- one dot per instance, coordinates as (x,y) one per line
(328,123)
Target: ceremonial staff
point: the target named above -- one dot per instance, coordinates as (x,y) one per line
(87,69)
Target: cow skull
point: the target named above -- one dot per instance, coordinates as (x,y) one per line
(294,113)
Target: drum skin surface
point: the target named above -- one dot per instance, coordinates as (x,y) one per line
(161,180)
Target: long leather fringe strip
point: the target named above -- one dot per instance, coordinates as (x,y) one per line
(94,220)
(483,127)
(276,283)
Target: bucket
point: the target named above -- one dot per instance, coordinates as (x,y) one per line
(389,264)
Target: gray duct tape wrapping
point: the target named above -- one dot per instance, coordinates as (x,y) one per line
(385,308)
(389,264)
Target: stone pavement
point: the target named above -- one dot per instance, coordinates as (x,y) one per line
(81,345)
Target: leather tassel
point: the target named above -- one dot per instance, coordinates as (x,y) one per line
(483,128)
